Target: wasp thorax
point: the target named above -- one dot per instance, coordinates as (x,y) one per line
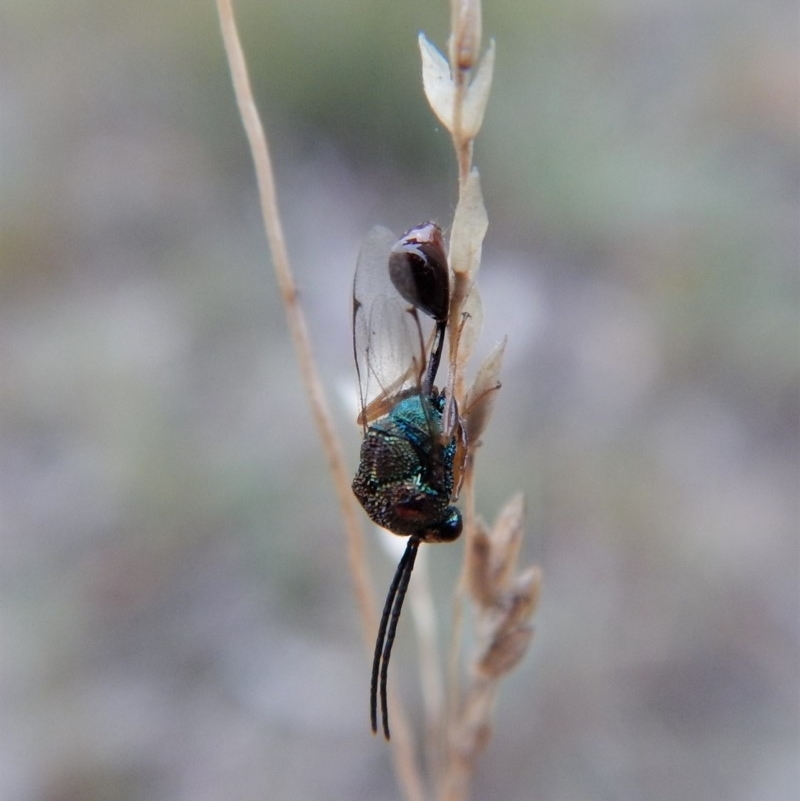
(405,475)
(418,269)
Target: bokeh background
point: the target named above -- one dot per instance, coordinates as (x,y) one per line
(176,618)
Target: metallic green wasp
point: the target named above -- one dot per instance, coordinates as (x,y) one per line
(410,465)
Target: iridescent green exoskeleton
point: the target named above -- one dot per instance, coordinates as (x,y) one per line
(410,465)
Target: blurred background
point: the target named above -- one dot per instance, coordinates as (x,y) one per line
(176,617)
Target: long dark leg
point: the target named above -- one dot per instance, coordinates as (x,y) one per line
(436,357)
(383,643)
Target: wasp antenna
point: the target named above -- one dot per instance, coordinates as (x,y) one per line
(379,641)
(402,576)
(376,657)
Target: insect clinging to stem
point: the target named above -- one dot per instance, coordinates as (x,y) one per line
(411,458)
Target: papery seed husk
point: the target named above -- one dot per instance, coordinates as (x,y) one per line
(437,82)
(471,322)
(482,736)
(506,537)
(523,598)
(465,42)
(477,96)
(461,286)
(469,227)
(481,395)
(471,736)
(478,570)
(466,237)
(505,652)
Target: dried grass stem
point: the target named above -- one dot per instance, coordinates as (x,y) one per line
(405,760)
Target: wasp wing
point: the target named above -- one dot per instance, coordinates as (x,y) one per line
(388,340)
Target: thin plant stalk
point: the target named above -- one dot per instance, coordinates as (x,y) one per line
(502,599)
(405,760)
(423,610)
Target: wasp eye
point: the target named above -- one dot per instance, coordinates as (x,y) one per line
(451,528)
(419,272)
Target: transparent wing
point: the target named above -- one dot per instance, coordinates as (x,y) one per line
(389,343)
